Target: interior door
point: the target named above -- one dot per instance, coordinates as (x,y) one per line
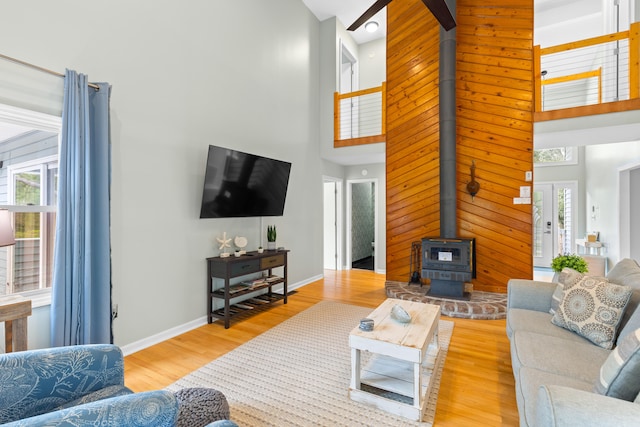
(349,106)
(330,226)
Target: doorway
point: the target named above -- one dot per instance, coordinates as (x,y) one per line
(348,83)
(332,223)
(629,208)
(362,216)
(554,220)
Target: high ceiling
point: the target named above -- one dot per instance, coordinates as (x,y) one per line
(347,11)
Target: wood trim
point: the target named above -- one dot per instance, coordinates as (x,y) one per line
(361,92)
(587,110)
(585,43)
(634,55)
(359,141)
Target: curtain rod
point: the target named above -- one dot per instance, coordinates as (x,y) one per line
(45,70)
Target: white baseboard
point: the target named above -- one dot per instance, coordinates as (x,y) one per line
(186,327)
(162,336)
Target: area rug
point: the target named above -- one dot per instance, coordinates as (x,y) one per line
(298,373)
(482,305)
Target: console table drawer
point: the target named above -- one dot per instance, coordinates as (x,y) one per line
(272,261)
(245,267)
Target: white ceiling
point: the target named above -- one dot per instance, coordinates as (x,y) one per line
(347,11)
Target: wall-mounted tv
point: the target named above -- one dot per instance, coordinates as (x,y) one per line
(238,184)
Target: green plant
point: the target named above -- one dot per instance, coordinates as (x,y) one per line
(573,261)
(271,233)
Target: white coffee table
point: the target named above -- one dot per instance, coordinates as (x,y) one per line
(402,359)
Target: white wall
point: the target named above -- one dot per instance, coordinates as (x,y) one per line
(602,165)
(243,74)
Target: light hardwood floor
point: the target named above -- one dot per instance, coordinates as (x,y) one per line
(477,386)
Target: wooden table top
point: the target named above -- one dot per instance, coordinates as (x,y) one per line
(414,334)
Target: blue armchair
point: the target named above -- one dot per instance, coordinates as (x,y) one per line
(80,385)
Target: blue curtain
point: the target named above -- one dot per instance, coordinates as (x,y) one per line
(81,288)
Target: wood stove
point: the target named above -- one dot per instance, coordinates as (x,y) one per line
(448,264)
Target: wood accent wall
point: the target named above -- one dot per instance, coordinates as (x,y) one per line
(494,128)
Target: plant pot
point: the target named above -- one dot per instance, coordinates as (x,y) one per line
(271,246)
(260,250)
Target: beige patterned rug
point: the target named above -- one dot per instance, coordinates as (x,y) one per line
(297,374)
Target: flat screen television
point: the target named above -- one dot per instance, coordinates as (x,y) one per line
(238,184)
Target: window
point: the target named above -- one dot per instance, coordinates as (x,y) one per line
(28,188)
(32,189)
(555,156)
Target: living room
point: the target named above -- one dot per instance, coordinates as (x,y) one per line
(239,74)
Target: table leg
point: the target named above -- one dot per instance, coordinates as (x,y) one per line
(355,369)
(20,334)
(8,336)
(417,385)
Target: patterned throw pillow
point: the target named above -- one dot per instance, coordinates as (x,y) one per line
(567,277)
(620,372)
(592,308)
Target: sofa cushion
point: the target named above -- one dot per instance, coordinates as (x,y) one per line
(593,308)
(580,360)
(620,372)
(519,319)
(627,272)
(529,381)
(567,277)
(103,393)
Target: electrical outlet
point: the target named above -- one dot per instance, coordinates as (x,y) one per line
(114,311)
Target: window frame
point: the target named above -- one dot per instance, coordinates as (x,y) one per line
(574,157)
(45,165)
(44,122)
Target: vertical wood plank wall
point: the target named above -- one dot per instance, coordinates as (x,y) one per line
(494,128)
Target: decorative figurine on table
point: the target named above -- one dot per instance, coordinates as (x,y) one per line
(241,243)
(224,244)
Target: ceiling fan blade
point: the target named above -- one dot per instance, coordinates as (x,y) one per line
(441,12)
(377,6)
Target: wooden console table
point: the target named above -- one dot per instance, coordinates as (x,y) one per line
(14,311)
(247,264)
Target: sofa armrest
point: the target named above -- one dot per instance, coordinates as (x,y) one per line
(565,406)
(530,294)
(154,408)
(45,379)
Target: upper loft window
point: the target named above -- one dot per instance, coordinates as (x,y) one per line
(28,188)
(555,156)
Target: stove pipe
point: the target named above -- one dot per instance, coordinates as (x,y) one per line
(447,97)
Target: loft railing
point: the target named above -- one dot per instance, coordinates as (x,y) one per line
(588,72)
(359,117)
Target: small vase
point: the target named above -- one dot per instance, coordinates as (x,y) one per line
(271,246)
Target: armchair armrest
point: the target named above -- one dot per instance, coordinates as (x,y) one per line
(43,380)
(530,294)
(154,408)
(565,406)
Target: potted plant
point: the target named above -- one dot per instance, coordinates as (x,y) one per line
(573,261)
(271,237)
(260,249)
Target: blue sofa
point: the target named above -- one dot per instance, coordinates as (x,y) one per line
(79,385)
(571,375)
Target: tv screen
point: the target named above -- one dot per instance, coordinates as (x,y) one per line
(238,184)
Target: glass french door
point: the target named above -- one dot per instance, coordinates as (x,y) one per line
(554,224)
